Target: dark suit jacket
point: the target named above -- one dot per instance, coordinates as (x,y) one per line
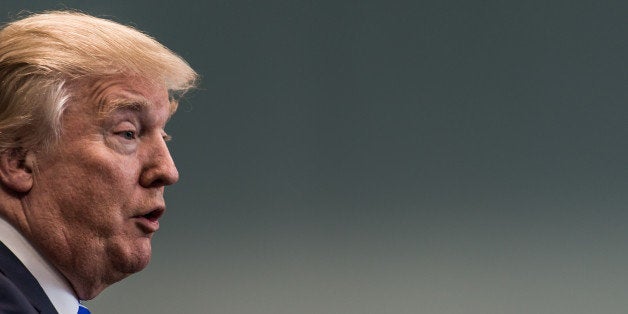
(19,290)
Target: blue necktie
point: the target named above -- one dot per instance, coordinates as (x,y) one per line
(83,310)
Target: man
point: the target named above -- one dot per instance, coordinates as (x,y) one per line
(83,156)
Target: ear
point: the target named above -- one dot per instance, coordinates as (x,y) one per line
(16,169)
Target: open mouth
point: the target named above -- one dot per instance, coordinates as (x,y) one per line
(149,222)
(153,215)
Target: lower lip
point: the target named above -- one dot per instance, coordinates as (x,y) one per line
(147,225)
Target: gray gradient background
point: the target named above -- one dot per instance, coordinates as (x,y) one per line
(431,157)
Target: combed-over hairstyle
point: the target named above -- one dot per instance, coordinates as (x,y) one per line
(41,55)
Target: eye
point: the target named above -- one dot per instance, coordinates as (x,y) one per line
(128,135)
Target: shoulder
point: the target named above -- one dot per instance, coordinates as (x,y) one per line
(12,300)
(19,290)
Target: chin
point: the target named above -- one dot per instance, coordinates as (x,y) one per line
(137,264)
(133,258)
(120,260)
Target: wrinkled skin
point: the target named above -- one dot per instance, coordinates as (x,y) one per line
(96,196)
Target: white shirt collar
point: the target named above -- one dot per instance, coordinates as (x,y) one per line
(54,284)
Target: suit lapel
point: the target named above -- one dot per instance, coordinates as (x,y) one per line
(15,271)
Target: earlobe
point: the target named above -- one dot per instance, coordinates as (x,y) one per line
(16,169)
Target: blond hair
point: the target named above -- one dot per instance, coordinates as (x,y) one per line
(42,54)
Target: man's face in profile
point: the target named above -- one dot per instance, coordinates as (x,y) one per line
(99,192)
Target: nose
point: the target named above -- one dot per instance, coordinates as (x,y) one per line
(159,169)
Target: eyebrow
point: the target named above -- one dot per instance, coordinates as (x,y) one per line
(137,105)
(123,104)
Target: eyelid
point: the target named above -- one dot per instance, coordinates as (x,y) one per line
(123,127)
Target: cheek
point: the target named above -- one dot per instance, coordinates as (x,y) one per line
(92,190)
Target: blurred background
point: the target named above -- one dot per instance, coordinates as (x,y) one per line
(353,157)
